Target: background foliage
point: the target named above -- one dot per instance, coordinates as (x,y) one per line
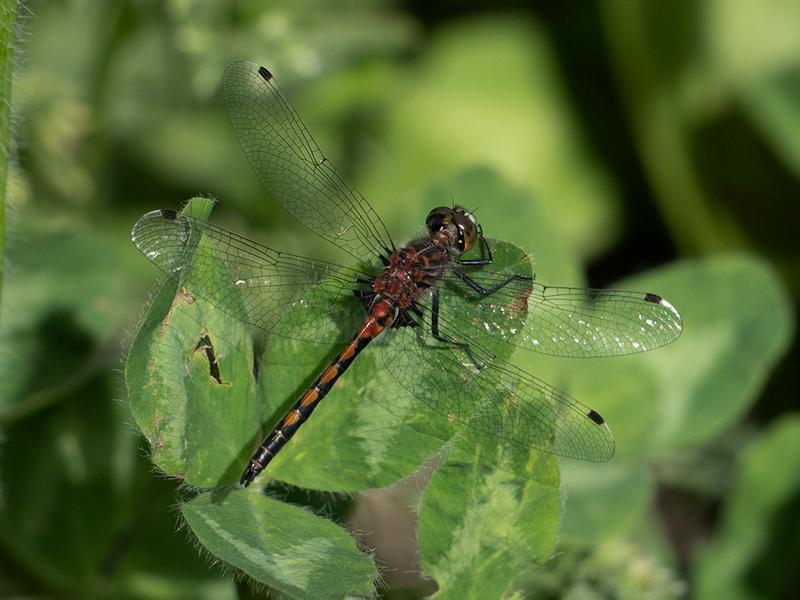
(647,145)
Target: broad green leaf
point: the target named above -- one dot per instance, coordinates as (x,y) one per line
(283,546)
(506,212)
(487,92)
(486,520)
(191,386)
(753,555)
(369,432)
(737,324)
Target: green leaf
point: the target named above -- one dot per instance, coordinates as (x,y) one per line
(283,546)
(486,520)
(507,212)
(369,431)
(487,92)
(737,324)
(754,553)
(191,386)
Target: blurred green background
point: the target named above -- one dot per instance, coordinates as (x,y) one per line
(655,144)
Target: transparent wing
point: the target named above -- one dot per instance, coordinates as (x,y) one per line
(499,399)
(291,166)
(561,321)
(291,296)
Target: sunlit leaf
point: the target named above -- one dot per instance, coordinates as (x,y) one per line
(369,431)
(190,381)
(485,520)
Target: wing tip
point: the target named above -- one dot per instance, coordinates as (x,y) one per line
(654,298)
(595,417)
(264,72)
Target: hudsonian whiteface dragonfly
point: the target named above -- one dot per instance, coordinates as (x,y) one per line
(442,351)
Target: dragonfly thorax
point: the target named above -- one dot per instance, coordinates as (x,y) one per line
(410,271)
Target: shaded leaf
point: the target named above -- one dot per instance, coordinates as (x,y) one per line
(487,92)
(280,545)
(737,324)
(66,293)
(754,553)
(70,469)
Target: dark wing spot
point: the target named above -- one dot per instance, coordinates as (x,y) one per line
(168,214)
(595,416)
(264,73)
(654,298)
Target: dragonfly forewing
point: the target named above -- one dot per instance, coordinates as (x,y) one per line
(285,294)
(289,163)
(561,321)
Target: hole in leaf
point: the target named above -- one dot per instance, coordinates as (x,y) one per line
(205,345)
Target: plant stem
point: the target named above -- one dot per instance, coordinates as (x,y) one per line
(8,28)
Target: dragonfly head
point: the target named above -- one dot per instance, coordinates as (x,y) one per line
(457,225)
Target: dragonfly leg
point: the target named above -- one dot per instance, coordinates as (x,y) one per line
(475,262)
(490,290)
(435,331)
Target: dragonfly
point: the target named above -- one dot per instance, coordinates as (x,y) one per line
(445,321)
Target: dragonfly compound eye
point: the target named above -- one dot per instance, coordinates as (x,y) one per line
(467,231)
(439,218)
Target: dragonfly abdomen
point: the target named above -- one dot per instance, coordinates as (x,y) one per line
(381,317)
